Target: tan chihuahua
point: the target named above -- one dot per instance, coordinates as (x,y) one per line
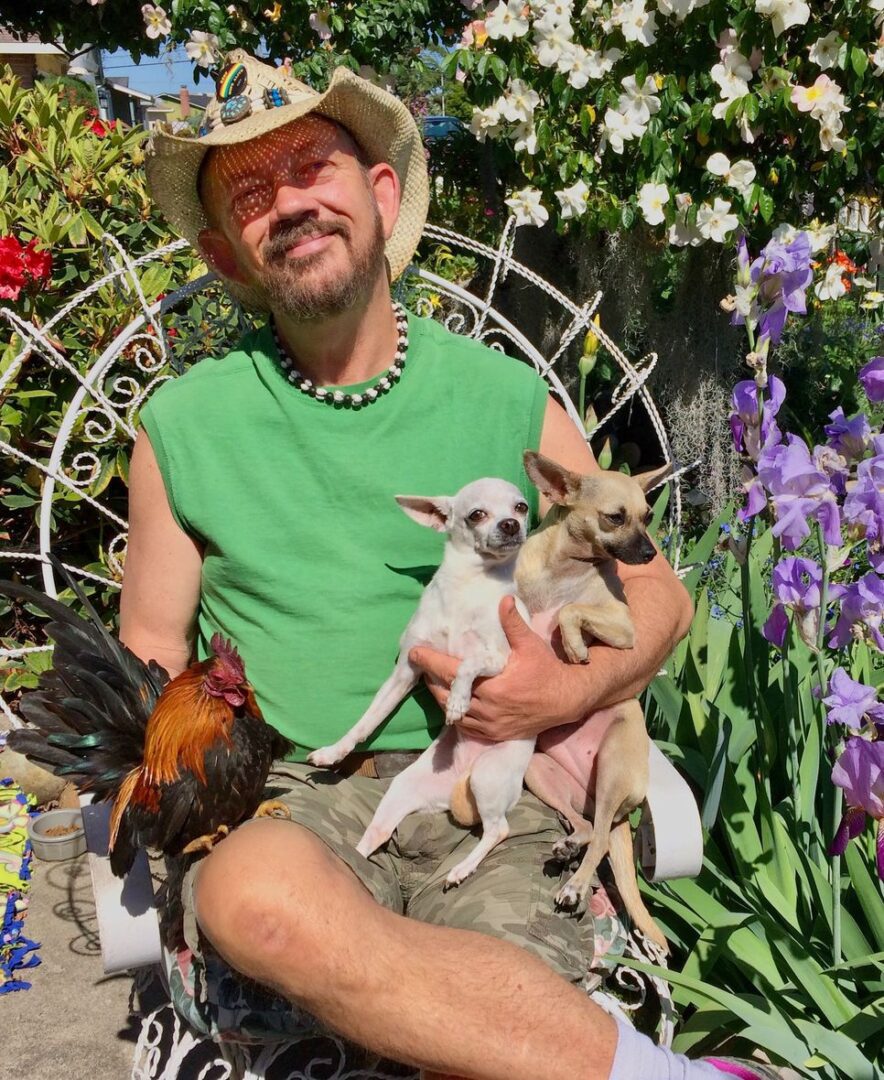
(566,576)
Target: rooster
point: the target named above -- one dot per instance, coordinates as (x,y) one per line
(183,760)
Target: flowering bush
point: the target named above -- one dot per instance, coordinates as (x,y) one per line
(695,116)
(22,266)
(64,183)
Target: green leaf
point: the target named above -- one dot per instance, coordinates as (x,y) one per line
(765,206)
(868,894)
(859,60)
(769,1030)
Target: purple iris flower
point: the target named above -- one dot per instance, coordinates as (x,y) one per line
(782,273)
(871,375)
(751,435)
(848,437)
(862,603)
(860,772)
(800,491)
(864,505)
(833,466)
(851,702)
(796,585)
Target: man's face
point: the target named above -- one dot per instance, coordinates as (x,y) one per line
(296,216)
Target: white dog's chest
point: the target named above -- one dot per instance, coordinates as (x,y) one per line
(454,622)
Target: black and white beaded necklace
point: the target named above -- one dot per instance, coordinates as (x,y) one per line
(337,397)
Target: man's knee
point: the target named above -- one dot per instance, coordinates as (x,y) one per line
(258,895)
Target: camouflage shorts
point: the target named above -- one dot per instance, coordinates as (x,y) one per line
(510,896)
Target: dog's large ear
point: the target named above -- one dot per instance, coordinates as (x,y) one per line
(557,483)
(430,511)
(654,477)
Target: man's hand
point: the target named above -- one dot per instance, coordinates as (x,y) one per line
(534,692)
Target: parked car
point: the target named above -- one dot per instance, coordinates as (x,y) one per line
(441,127)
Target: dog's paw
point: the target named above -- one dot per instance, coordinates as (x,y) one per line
(456,876)
(575,647)
(566,849)
(456,707)
(326,756)
(369,844)
(569,897)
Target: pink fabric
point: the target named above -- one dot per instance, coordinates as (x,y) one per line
(733,1070)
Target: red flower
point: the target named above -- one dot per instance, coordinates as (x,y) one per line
(99,127)
(12,275)
(843,259)
(37,264)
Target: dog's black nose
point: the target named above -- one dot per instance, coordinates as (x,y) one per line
(509,527)
(647,552)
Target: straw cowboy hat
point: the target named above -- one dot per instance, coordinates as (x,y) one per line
(252,98)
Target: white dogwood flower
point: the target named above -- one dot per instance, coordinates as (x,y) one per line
(573,200)
(716,221)
(830,133)
(732,77)
(680,8)
(620,128)
(877,58)
(820,235)
(784,13)
(824,51)
(550,46)
(526,206)
(202,48)
(486,122)
(651,200)
(524,138)
(519,102)
(156,21)
(740,175)
(785,234)
(580,65)
(553,14)
(508,20)
(636,23)
(832,286)
(639,102)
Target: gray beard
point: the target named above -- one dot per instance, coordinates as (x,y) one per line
(288,290)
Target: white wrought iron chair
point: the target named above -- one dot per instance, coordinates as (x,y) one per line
(105,405)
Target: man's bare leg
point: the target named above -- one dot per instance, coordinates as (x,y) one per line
(298,920)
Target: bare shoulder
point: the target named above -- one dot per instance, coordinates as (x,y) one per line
(564,442)
(161,581)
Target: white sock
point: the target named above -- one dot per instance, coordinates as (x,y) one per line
(638,1058)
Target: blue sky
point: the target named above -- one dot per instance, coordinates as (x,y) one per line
(154,75)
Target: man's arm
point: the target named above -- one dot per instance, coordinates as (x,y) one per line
(537,691)
(161,583)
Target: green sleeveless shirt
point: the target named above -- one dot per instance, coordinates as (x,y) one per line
(310,567)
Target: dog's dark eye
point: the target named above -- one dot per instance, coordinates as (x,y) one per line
(521,508)
(476,516)
(648,517)
(614,519)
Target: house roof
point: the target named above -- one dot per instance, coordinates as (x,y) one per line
(121,88)
(197,101)
(30,45)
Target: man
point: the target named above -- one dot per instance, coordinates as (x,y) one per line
(261,506)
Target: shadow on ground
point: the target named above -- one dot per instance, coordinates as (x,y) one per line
(73,1024)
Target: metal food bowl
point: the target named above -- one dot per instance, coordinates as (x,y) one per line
(53,846)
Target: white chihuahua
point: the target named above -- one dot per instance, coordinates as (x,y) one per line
(458,614)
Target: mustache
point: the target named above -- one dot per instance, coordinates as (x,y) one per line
(278,245)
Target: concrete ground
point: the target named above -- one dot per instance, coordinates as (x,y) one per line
(73,1024)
